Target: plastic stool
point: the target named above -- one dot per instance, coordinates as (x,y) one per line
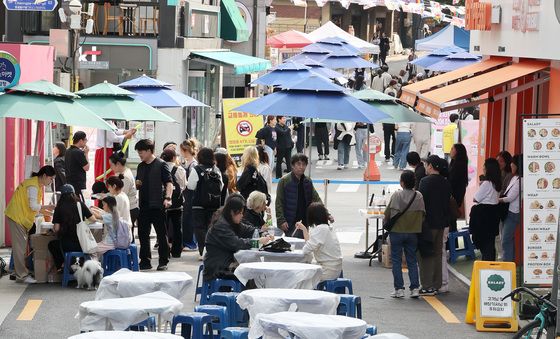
(198,288)
(66,274)
(133,258)
(235,333)
(192,325)
(149,324)
(467,251)
(114,260)
(236,315)
(338,286)
(219,313)
(350,306)
(218,285)
(11,266)
(371,329)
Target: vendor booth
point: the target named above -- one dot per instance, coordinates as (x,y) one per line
(449,36)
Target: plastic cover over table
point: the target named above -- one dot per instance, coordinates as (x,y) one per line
(307,326)
(272,300)
(124,335)
(243,256)
(297,242)
(125,283)
(280,274)
(120,313)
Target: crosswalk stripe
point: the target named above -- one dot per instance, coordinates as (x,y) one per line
(30,309)
(443,311)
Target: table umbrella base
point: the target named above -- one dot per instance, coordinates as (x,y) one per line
(363,255)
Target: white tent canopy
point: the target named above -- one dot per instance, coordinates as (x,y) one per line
(331,30)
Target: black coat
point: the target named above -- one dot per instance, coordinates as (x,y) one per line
(484,222)
(60,171)
(252,218)
(437,194)
(283,137)
(459,179)
(251,180)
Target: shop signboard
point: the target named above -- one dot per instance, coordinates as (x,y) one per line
(9,70)
(240,127)
(31,5)
(541,198)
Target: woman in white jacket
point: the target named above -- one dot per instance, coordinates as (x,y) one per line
(346,139)
(321,240)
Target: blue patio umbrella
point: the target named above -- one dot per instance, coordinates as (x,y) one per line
(284,73)
(332,45)
(144,81)
(317,57)
(318,68)
(436,56)
(346,62)
(455,61)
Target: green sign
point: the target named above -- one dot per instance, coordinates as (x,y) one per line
(496,282)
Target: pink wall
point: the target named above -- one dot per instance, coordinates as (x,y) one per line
(36,63)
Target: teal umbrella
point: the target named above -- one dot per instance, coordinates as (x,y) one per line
(390,106)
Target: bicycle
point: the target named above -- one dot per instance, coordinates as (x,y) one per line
(536,328)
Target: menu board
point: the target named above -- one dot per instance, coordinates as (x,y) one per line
(541,198)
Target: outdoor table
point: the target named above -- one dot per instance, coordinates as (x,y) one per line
(378,232)
(244,256)
(296,242)
(280,274)
(124,335)
(120,313)
(273,300)
(93,226)
(125,283)
(307,326)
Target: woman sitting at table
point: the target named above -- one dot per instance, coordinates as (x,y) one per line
(109,215)
(321,240)
(226,236)
(65,219)
(256,206)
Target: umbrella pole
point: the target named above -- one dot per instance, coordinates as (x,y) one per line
(310,155)
(52,159)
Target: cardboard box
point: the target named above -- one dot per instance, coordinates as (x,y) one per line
(386,256)
(43,262)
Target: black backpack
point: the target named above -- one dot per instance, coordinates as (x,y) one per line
(208,191)
(177,198)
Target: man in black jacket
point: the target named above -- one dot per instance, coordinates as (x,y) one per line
(436,191)
(284,145)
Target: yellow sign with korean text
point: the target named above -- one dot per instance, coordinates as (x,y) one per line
(240,127)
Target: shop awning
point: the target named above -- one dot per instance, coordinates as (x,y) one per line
(410,92)
(232,25)
(241,63)
(443,99)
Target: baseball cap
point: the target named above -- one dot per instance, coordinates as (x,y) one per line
(435,161)
(67,189)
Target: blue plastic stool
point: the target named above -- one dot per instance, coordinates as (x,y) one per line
(198,288)
(219,314)
(114,260)
(237,316)
(133,258)
(66,274)
(192,325)
(371,329)
(147,325)
(338,286)
(218,285)
(235,333)
(467,251)
(350,306)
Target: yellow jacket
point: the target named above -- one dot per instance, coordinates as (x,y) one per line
(18,209)
(449,137)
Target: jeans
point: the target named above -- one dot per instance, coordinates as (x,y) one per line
(508,236)
(403,145)
(407,242)
(444,269)
(361,138)
(343,153)
(270,152)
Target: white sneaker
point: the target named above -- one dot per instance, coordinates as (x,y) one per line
(391,167)
(340,167)
(29,280)
(415,293)
(398,293)
(443,289)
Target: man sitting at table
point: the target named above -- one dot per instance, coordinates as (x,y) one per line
(226,236)
(294,194)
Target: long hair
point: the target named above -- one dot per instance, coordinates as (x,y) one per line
(507,159)
(47,170)
(263,156)
(459,165)
(317,214)
(493,173)
(67,208)
(250,157)
(111,203)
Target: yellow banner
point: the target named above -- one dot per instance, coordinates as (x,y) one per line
(240,127)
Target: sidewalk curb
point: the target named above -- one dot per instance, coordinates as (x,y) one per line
(459,276)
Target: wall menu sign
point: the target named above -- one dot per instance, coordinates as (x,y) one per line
(541,198)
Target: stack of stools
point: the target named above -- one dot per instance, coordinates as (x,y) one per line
(116,259)
(468,249)
(193,325)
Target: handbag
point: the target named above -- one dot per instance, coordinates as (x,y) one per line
(278,246)
(389,223)
(503,207)
(85,237)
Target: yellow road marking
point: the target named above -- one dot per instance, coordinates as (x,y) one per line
(443,311)
(30,309)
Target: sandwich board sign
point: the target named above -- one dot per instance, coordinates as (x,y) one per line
(491,281)
(31,5)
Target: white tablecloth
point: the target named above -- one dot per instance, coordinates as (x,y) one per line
(280,274)
(297,242)
(125,283)
(244,256)
(273,300)
(120,313)
(124,335)
(307,326)
(93,226)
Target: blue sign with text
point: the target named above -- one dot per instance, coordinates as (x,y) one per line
(9,70)
(31,5)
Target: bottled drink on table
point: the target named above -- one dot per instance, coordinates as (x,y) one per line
(255,240)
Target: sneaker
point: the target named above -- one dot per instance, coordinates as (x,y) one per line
(414,293)
(391,167)
(162,268)
(156,246)
(387,160)
(321,157)
(345,166)
(145,266)
(443,289)
(326,157)
(28,280)
(398,293)
(427,292)
(340,167)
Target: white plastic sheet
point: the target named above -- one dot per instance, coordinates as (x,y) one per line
(244,256)
(125,283)
(280,274)
(389,336)
(296,242)
(272,300)
(307,326)
(124,335)
(118,314)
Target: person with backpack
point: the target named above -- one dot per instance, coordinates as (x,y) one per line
(115,186)
(118,165)
(174,214)
(204,191)
(251,180)
(188,148)
(153,180)
(114,227)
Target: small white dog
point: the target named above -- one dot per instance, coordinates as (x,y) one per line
(88,273)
